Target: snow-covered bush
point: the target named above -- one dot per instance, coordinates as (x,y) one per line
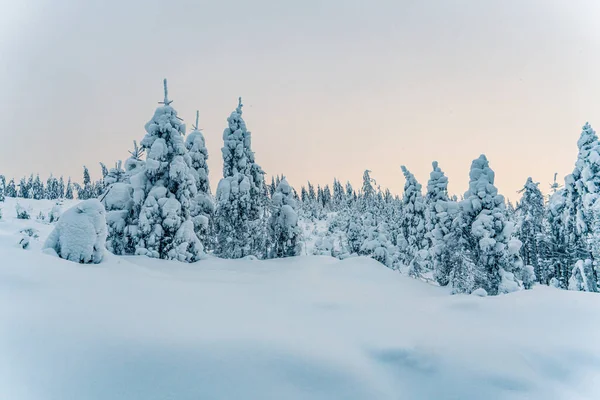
(80,233)
(22,212)
(41,217)
(55,213)
(26,235)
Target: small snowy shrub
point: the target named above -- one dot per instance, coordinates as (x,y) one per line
(80,233)
(479,292)
(26,235)
(54,214)
(41,217)
(22,213)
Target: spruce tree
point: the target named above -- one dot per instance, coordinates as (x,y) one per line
(241,194)
(69,190)
(484,211)
(60,188)
(37,189)
(437,192)
(530,228)
(164,190)
(87,190)
(11,189)
(284,233)
(202,210)
(412,226)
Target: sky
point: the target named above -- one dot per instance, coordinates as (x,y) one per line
(330,88)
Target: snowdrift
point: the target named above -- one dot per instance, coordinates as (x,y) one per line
(298,328)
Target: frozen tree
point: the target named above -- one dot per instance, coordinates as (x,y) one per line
(114,175)
(284,233)
(104,170)
(196,147)
(349,192)
(412,225)
(86,191)
(69,190)
(51,188)
(23,189)
(483,210)
(530,227)
(37,189)
(368,191)
(203,207)
(60,188)
(11,189)
(164,190)
(2,187)
(377,244)
(582,277)
(581,191)
(437,193)
(338,194)
(241,194)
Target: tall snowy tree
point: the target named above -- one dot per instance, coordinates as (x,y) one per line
(483,213)
(530,228)
(241,194)
(202,206)
(284,233)
(437,192)
(69,190)
(2,187)
(581,191)
(37,188)
(11,189)
(163,191)
(60,188)
(412,226)
(87,191)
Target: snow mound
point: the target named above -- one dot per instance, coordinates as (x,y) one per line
(80,233)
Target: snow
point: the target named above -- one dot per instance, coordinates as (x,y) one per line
(309,327)
(80,233)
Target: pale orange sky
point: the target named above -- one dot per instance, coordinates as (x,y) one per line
(331,87)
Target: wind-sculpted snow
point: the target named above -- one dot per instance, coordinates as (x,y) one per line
(297,328)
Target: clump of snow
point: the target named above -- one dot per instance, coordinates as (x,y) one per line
(479,292)
(80,233)
(508,283)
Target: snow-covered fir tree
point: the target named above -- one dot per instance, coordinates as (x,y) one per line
(530,228)
(164,190)
(69,190)
(37,189)
(11,189)
(437,192)
(483,213)
(60,188)
(86,191)
(284,233)
(412,239)
(203,207)
(241,195)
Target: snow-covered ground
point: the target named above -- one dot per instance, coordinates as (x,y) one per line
(299,328)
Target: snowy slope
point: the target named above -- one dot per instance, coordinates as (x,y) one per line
(301,328)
